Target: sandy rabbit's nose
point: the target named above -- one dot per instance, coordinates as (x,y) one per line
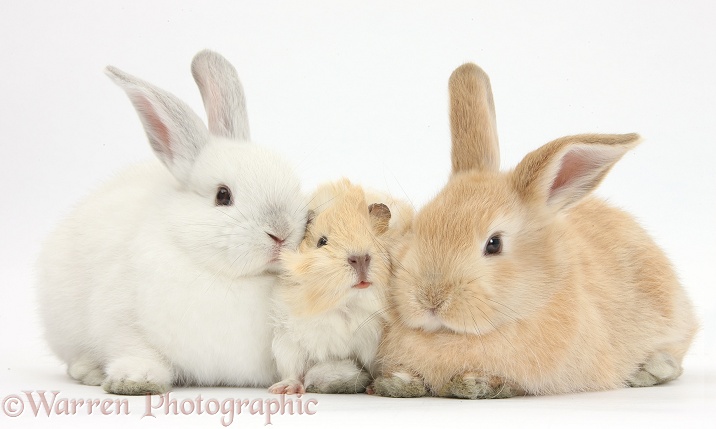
(359,263)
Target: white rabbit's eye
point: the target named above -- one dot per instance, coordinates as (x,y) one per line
(322,242)
(223,196)
(494,245)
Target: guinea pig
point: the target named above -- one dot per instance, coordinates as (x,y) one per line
(328,305)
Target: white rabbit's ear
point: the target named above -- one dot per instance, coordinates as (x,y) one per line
(175,132)
(223,95)
(562,172)
(472,121)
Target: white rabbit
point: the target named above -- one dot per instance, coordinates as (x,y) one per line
(163,276)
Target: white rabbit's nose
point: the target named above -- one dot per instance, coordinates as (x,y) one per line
(276,239)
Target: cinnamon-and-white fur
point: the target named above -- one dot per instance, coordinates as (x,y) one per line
(160,277)
(520,282)
(328,306)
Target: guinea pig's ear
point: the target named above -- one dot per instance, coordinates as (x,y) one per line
(562,172)
(472,121)
(310,217)
(379,217)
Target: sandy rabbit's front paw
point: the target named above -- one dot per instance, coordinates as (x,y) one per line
(289,386)
(475,386)
(399,385)
(137,376)
(658,368)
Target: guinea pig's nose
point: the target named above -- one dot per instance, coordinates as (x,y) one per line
(359,262)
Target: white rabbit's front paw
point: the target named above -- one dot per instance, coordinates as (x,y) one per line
(137,376)
(658,368)
(86,371)
(288,386)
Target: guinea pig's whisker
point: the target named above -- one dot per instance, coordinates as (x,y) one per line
(325,203)
(308,155)
(305,206)
(400,266)
(402,190)
(370,318)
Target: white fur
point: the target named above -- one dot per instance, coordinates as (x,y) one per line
(350,332)
(149,283)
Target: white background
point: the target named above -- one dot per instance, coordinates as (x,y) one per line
(359,89)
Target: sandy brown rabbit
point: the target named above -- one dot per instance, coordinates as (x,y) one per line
(328,306)
(519,282)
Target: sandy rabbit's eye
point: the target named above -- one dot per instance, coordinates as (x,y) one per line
(322,242)
(494,245)
(223,196)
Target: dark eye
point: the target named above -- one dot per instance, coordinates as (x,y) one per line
(322,242)
(223,196)
(494,245)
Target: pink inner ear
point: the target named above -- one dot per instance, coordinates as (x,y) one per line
(160,138)
(575,164)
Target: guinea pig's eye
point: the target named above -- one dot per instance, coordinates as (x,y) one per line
(223,196)
(494,245)
(322,242)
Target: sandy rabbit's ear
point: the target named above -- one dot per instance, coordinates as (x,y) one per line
(223,95)
(379,217)
(472,121)
(562,172)
(175,132)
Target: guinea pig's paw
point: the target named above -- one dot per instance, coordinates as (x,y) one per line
(86,371)
(289,386)
(342,376)
(137,376)
(659,368)
(475,386)
(354,384)
(399,385)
